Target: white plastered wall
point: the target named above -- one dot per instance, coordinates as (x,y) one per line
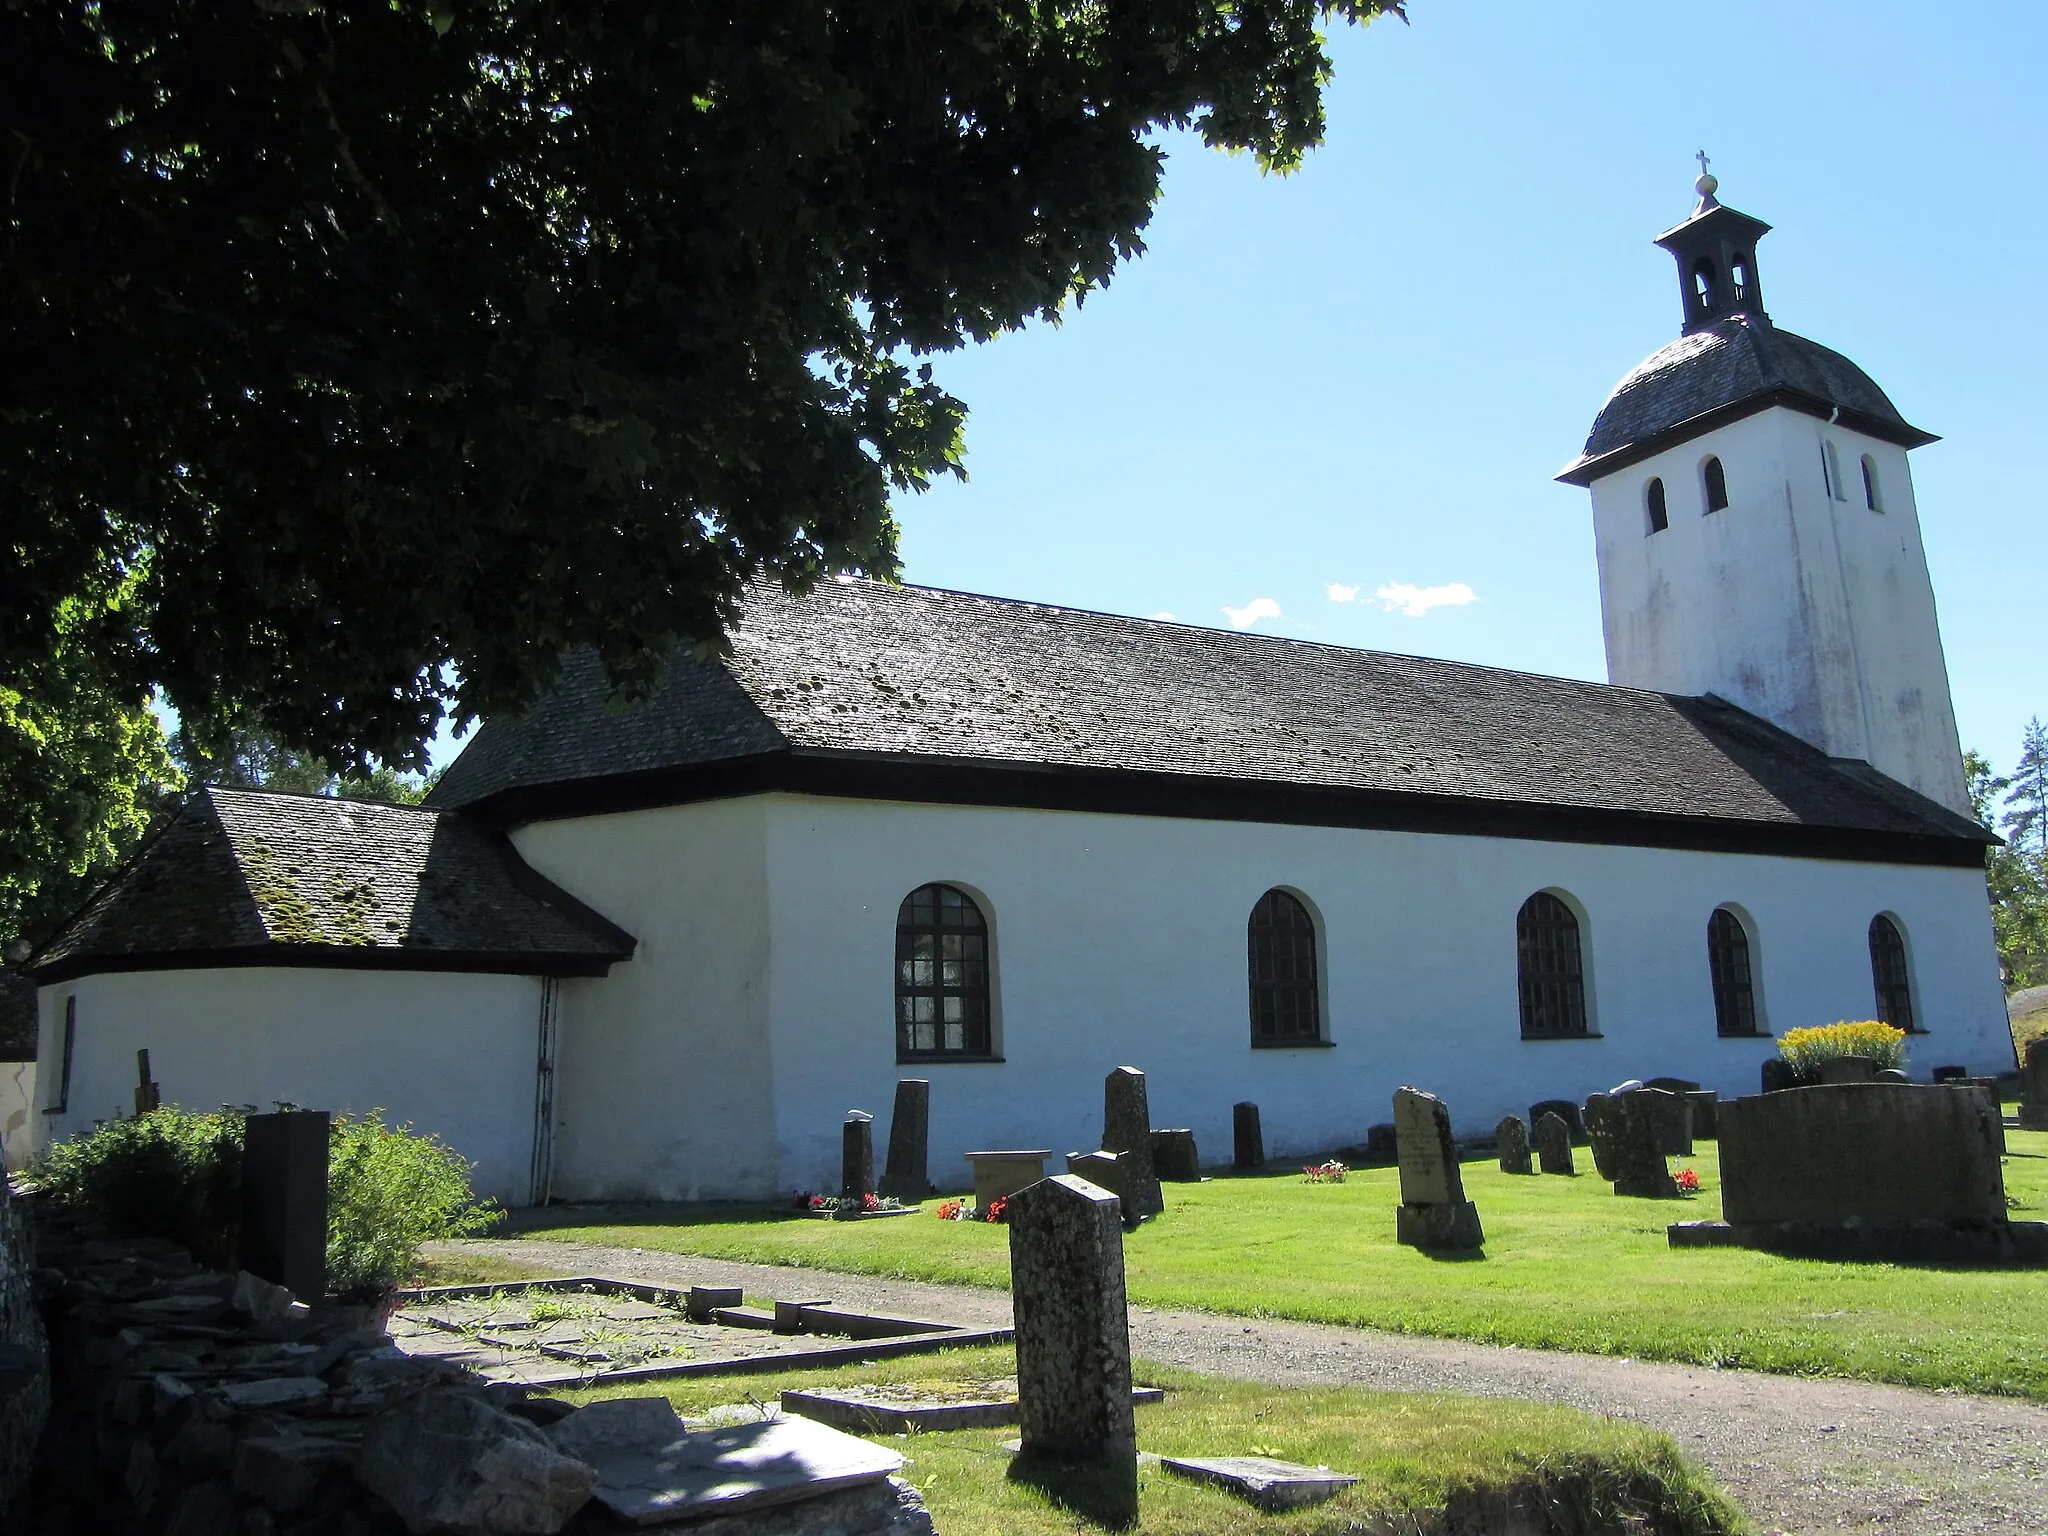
(1121,940)
(454,1054)
(665,1087)
(1810,610)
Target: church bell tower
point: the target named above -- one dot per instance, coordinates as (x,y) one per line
(1756,529)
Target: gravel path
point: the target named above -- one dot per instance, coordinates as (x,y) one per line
(1802,1456)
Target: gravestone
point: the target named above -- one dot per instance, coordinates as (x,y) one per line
(1174,1158)
(284,1199)
(1381,1144)
(1564,1109)
(998,1175)
(1554,1145)
(1950,1074)
(1778,1075)
(856,1163)
(1672,1115)
(1434,1212)
(1847,1069)
(1513,1137)
(1105,1170)
(1635,1153)
(1889,1075)
(2034,1086)
(1705,1113)
(1599,1139)
(1679,1085)
(1247,1140)
(906,1177)
(1127,1128)
(1073,1334)
(1987,1089)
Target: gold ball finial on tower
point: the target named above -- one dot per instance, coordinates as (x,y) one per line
(1707,184)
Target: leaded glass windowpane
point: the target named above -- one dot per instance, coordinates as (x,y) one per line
(1888,974)
(1728,960)
(1550,969)
(1280,943)
(941,975)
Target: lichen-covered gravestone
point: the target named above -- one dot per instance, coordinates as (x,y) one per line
(1434,1212)
(1599,1139)
(1248,1140)
(1105,1170)
(1127,1128)
(1073,1335)
(905,1176)
(856,1162)
(1513,1139)
(1554,1145)
(1630,1120)
(2034,1086)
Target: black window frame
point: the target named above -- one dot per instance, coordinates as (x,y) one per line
(1283,976)
(973,990)
(1734,976)
(1891,976)
(1656,504)
(1550,974)
(1714,483)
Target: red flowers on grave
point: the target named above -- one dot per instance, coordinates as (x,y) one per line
(870,1201)
(1688,1182)
(998,1208)
(950,1210)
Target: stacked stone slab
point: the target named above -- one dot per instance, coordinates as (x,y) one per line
(906,1176)
(1073,1335)
(1127,1128)
(1434,1212)
(1554,1145)
(1635,1152)
(1512,1138)
(1248,1139)
(2034,1086)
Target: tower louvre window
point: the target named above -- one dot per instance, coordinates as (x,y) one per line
(1738,274)
(1550,969)
(1704,284)
(1872,498)
(1653,503)
(1888,974)
(1716,481)
(1734,986)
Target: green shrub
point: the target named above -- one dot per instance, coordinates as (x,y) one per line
(1806,1049)
(172,1173)
(388,1192)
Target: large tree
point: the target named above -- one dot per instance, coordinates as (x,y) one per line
(2018,881)
(392,346)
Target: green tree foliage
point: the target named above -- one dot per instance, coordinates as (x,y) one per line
(2018,880)
(396,345)
(255,760)
(2026,800)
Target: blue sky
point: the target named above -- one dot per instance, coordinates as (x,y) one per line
(1367,373)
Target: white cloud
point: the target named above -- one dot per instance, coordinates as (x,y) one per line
(1258,608)
(1405,597)
(1339,593)
(1161,614)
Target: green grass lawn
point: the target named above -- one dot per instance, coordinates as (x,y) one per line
(1410,1454)
(1567,1265)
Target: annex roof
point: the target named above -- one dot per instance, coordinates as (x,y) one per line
(1727,370)
(910,693)
(246,877)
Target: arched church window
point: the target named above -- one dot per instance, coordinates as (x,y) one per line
(1550,969)
(1653,503)
(1734,987)
(1872,498)
(1703,285)
(1831,469)
(941,976)
(1738,274)
(1280,960)
(1888,974)
(1716,483)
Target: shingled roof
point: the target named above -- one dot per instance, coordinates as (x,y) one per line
(912,693)
(244,877)
(1727,370)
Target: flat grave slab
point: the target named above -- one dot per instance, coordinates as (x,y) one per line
(583,1330)
(878,1410)
(1269,1485)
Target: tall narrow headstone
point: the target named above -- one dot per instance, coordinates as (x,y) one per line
(284,1199)
(1073,1335)
(1598,1139)
(1127,1128)
(1637,1158)
(856,1162)
(906,1177)
(1554,1145)
(1434,1212)
(1513,1139)
(2034,1086)
(1248,1141)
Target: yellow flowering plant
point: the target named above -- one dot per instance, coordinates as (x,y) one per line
(1806,1049)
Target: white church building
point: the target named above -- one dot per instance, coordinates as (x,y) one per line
(658,951)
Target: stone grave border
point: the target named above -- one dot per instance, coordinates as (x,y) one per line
(842,1409)
(875,1337)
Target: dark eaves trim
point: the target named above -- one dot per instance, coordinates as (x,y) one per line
(1061,787)
(330,957)
(1586,470)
